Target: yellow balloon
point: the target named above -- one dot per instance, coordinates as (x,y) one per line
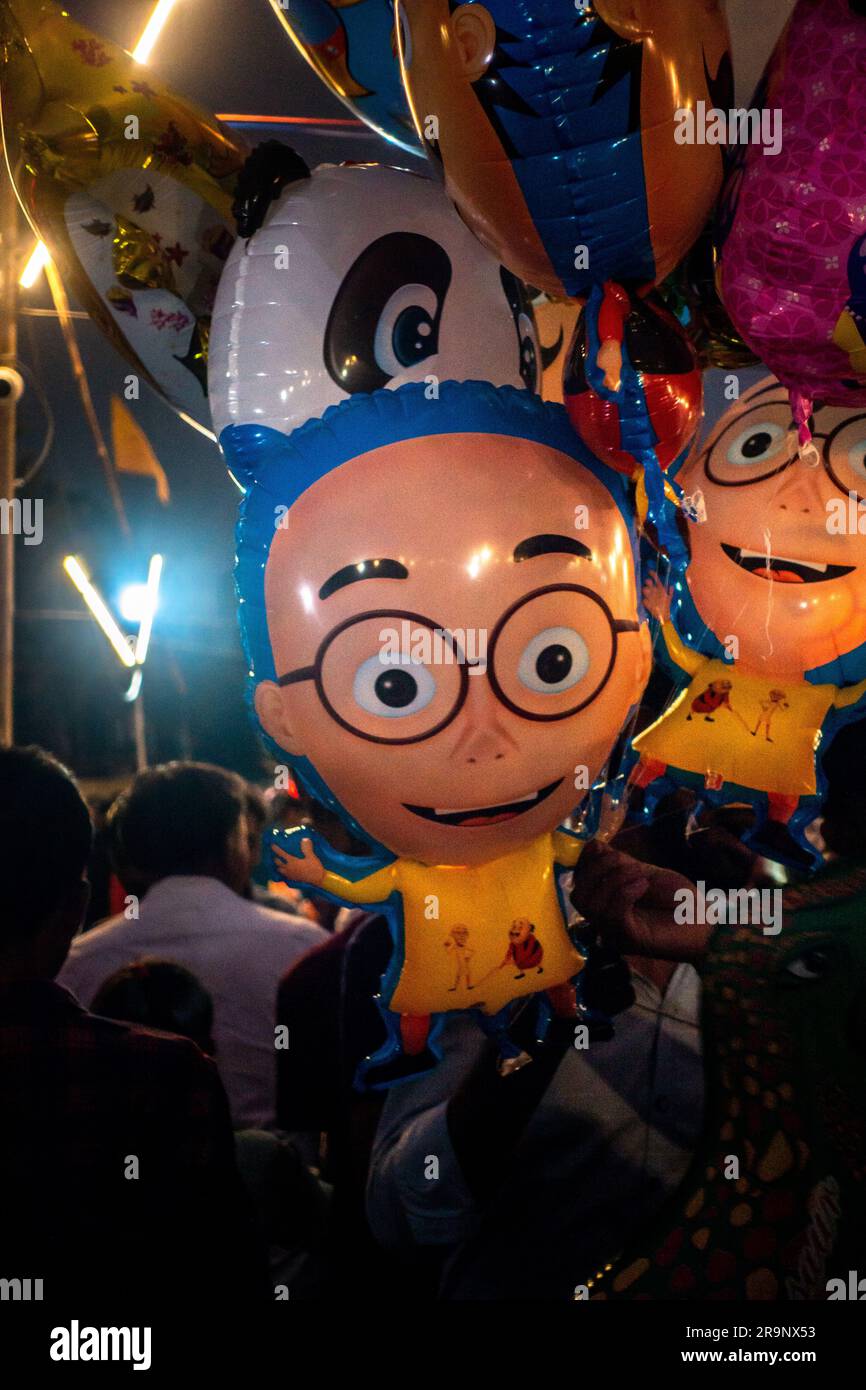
(129,186)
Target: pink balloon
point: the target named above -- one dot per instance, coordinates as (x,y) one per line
(792,270)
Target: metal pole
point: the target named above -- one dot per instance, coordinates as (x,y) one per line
(8,358)
(138,729)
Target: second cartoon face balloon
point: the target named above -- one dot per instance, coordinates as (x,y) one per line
(362,277)
(555,125)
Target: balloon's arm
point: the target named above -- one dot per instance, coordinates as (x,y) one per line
(685,657)
(612,314)
(850,695)
(303,856)
(374,888)
(567,848)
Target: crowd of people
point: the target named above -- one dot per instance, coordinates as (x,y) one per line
(177,1082)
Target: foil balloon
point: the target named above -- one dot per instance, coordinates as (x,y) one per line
(130,188)
(362,277)
(691,294)
(768,632)
(350,45)
(667,376)
(451,702)
(556,127)
(556,321)
(792,263)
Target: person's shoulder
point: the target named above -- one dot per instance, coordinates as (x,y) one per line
(148,1049)
(98,938)
(285,925)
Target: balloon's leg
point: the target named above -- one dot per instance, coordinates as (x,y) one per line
(414,1031)
(563,1000)
(646,770)
(781,808)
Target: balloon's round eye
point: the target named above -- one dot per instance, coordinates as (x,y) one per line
(406,333)
(756,444)
(528,352)
(810,965)
(392,687)
(553,661)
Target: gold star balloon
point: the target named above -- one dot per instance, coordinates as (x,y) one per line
(129,186)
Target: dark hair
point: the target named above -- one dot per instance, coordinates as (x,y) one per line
(158,994)
(45,837)
(266,172)
(176,819)
(256,806)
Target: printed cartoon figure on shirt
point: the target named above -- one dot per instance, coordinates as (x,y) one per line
(774,704)
(717,695)
(525,951)
(771,622)
(414,525)
(457,944)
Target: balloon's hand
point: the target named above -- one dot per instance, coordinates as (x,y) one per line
(307,869)
(633,906)
(656,598)
(609,361)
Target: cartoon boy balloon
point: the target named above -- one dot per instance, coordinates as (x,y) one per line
(440,609)
(776,601)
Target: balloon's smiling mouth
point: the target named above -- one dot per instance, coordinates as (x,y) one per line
(486,815)
(781,570)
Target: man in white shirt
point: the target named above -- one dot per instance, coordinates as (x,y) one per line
(181,831)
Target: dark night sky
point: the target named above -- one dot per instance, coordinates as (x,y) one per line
(230,55)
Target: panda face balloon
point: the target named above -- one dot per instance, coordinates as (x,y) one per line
(363,277)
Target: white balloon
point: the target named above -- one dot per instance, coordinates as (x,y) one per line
(363,276)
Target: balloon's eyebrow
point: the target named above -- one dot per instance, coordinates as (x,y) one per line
(363,569)
(551,545)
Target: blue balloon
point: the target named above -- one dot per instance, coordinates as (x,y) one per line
(350,44)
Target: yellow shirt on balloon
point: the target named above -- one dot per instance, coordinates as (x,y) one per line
(733,726)
(475,936)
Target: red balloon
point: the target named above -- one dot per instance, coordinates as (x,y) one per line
(667,371)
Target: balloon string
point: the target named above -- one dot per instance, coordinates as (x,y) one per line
(61,304)
(801,411)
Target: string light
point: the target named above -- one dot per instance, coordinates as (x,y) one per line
(39,257)
(36,263)
(152,30)
(99,610)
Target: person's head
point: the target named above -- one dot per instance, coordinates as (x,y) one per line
(768,565)
(257,820)
(45,840)
(520,930)
(446,628)
(460,934)
(158,994)
(184,819)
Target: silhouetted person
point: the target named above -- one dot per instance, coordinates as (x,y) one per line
(181,829)
(117,1175)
